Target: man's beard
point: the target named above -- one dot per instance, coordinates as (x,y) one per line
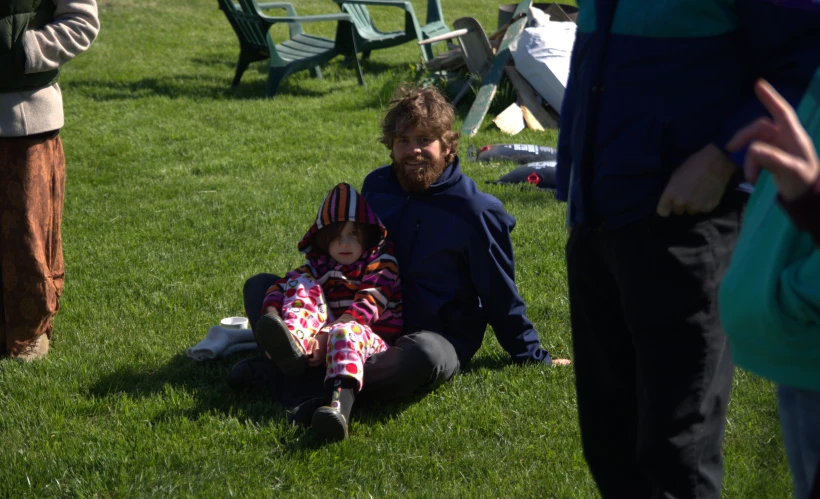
(419,179)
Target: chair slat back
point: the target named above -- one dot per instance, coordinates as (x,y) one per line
(360,14)
(434,12)
(253,28)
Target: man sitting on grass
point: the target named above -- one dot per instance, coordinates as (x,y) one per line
(454,250)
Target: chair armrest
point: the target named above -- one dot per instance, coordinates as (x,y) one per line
(306,19)
(385,3)
(289,8)
(411,24)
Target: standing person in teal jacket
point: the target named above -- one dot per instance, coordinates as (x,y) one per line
(655,92)
(770,297)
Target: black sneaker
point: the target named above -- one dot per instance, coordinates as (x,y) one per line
(277,342)
(329,424)
(253,373)
(302,414)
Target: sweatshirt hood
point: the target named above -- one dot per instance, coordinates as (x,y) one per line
(342,204)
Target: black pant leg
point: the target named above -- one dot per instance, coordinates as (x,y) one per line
(417,363)
(668,272)
(288,391)
(254,293)
(604,362)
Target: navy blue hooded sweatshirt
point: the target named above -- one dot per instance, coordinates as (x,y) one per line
(652,82)
(454,250)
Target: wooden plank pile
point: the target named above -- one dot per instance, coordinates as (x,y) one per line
(487,59)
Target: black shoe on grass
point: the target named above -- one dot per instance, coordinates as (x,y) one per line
(277,342)
(252,373)
(302,414)
(329,424)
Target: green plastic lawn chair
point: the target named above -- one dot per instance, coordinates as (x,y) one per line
(301,51)
(368,36)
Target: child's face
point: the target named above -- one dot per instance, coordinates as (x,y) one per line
(346,248)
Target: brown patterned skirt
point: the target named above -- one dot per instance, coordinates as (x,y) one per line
(32,190)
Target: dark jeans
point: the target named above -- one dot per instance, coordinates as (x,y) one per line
(800,422)
(418,363)
(653,368)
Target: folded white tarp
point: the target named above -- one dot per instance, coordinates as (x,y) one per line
(542,55)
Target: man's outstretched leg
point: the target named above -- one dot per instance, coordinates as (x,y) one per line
(418,363)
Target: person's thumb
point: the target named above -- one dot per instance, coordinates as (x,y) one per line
(664,207)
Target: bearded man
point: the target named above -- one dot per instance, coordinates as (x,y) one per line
(455,257)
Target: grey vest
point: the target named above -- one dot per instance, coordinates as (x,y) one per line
(16,16)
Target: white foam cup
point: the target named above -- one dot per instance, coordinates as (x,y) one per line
(234,323)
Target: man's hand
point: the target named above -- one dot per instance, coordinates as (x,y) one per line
(317,349)
(542,356)
(698,184)
(779,145)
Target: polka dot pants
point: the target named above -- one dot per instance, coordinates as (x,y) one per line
(349,345)
(304,311)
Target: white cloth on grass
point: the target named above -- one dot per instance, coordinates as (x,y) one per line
(542,55)
(221,342)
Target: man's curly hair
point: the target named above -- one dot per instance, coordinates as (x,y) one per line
(426,110)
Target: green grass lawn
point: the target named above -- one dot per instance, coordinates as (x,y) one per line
(178,189)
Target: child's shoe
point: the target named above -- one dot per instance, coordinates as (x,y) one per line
(252,373)
(330,422)
(276,341)
(302,414)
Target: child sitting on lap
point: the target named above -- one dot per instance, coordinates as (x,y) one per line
(350,274)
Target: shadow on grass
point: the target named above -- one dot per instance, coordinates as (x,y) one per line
(208,87)
(215,60)
(490,362)
(206,382)
(183,86)
(372,410)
